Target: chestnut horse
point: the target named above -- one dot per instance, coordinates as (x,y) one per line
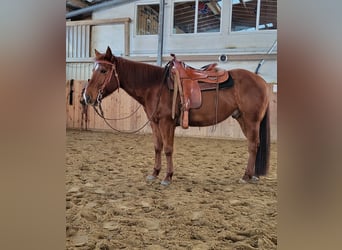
(247,101)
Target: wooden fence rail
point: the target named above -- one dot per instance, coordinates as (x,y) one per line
(119,105)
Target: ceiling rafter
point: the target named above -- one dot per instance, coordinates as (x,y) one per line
(76,4)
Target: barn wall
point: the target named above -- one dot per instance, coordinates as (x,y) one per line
(82,41)
(221,42)
(79,70)
(119,105)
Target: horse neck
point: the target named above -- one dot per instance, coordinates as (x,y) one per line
(138,78)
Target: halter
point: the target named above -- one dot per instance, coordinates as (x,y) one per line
(107,79)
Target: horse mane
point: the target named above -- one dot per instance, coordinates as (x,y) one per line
(140,73)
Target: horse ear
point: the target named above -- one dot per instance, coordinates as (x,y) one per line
(108,53)
(97,54)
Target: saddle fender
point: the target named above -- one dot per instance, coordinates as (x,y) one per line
(192,94)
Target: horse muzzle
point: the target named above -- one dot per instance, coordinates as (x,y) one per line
(90,101)
(87,99)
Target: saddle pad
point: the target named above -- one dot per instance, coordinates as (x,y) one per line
(208,86)
(223,85)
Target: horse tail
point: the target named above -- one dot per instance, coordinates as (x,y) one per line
(263,153)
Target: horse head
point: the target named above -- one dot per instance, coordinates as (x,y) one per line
(104,79)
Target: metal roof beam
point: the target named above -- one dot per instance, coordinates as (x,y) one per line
(95,7)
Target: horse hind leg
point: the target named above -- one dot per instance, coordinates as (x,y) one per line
(253,143)
(251,131)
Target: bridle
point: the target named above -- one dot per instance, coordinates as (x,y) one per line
(107,78)
(107,81)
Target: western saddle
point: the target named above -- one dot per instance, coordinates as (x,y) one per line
(189,82)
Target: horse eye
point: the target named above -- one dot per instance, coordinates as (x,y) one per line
(103,71)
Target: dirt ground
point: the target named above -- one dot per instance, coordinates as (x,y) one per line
(110,205)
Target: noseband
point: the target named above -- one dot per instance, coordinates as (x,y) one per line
(107,79)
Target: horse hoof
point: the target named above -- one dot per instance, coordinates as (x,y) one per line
(151,178)
(165,183)
(254,179)
(242,181)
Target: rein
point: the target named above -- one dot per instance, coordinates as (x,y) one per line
(118,130)
(99,99)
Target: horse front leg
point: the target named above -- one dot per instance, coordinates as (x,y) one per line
(167,130)
(158,146)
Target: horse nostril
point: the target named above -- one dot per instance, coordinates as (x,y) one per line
(86,98)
